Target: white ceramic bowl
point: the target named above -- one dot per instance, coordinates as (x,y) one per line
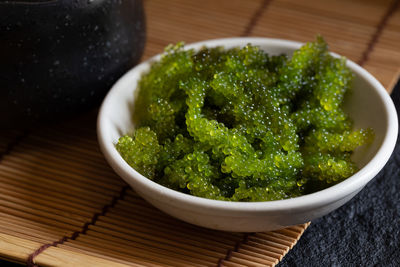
(369,105)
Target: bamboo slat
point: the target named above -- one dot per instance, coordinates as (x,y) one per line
(14,248)
(62,205)
(384,61)
(60,257)
(191,21)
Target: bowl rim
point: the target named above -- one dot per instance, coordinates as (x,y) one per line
(319,198)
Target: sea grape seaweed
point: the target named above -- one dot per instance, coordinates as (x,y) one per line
(238,124)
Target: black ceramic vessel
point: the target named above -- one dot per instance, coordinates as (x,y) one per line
(59,58)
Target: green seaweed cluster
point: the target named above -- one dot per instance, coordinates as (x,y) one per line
(237,124)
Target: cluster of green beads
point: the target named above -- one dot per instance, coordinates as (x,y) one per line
(238,124)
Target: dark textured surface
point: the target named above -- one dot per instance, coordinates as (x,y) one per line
(59,58)
(4,263)
(365,231)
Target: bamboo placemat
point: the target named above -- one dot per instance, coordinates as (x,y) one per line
(60,203)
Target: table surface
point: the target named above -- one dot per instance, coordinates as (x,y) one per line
(366,230)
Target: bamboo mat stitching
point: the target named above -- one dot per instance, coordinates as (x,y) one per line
(85,227)
(236,249)
(378,32)
(256,17)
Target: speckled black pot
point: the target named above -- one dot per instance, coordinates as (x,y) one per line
(59,58)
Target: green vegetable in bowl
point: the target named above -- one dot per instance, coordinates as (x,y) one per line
(237,124)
